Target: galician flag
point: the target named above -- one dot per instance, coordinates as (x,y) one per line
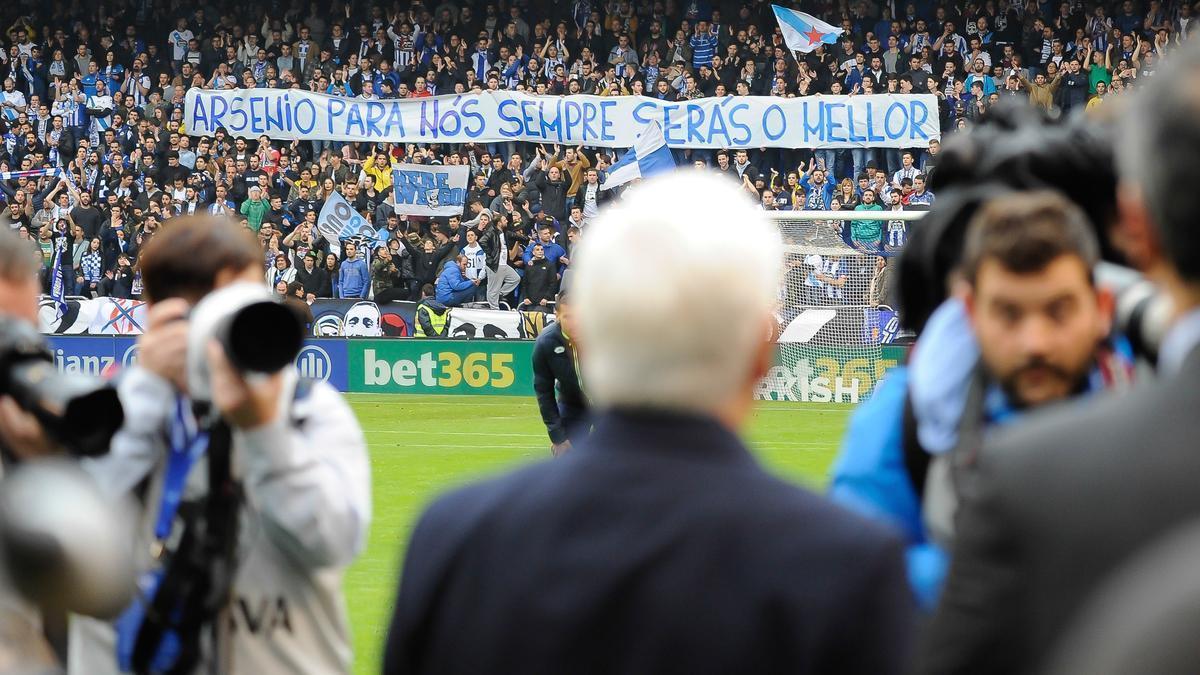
(648,156)
(803,32)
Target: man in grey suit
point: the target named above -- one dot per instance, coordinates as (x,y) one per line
(1060,502)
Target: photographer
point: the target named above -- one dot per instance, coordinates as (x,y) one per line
(1007,250)
(298,460)
(22,641)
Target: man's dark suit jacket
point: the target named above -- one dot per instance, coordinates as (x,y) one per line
(1055,506)
(658,545)
(556,385)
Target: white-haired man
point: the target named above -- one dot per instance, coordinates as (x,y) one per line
(658,544)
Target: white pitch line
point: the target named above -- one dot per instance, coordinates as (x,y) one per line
(451,433)
(528,401)
(399,402)
(412,432)
(537,446)
(489,446)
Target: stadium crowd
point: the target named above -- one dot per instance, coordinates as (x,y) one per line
(96,90)
(991,474)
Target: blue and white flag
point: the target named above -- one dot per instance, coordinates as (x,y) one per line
(339,221)
(648,156)
(803,32)
(429,189)
(58,282)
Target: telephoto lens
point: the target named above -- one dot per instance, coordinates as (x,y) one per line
(1143,312)
(64,545)
(259,334)
(242,334)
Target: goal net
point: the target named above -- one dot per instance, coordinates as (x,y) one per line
(838,333)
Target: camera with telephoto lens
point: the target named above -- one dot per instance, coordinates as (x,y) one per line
(80,412)
(1142,313)
(259,333)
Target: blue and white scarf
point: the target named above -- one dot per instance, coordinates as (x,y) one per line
(38,173)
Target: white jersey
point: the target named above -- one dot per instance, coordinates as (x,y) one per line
(476,261)
(15,99)
(305,517)
(897,233)
(179,43)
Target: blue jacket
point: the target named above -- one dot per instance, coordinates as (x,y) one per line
(870,477)
(826,191)
(553,253)
(354,279)
(451,280)
(870,474)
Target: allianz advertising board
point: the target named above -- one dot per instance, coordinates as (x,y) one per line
(354,365)
(106,355)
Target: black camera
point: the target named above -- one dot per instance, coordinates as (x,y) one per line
(81,412)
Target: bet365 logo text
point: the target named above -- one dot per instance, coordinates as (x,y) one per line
(441,370)
(822,380)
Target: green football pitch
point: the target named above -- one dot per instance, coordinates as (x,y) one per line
(421,446)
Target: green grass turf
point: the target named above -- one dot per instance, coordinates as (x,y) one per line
(422,445)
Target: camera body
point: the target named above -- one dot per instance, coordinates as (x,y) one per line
(81,412)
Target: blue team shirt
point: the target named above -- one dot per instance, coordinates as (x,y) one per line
(704,47)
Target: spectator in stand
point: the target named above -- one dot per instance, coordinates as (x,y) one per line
(540,282)
(331,271)
(817,187)
(907,170)
(426,255)
(1073,90)
(281,271)
(502,279)
(867,233)
(255,208)
(1041,90)
(553,188)
(379,170)
(386,282)
(453,286)
(574,163)
(310,275)
(846,195)
(553,252)
(354,278)
(920,196)
(121,86)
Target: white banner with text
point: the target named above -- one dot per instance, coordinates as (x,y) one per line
(875,121)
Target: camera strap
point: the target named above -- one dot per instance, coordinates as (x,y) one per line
(187,444)
(191,589)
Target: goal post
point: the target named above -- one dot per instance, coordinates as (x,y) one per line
(838,331)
